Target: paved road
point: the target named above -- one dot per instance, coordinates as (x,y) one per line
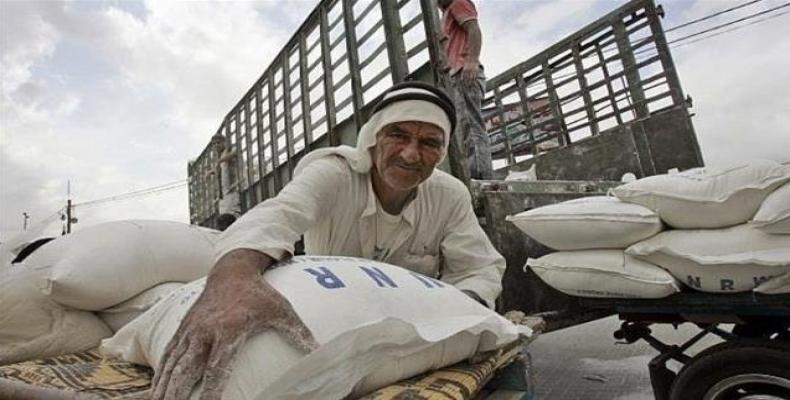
(584,362)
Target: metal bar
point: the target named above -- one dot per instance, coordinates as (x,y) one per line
(584,89)
(312,66)
(373,56)
(315,84)
(525,109)
(329,93)
(393,32)
(342,82)
(555,106)
(296,100)
(313,46)
(510,159)
(668,64)
(353,61)
(248,128)
(416,49)
(344,103)
(365,11)
(411,24)
(289,146)
(336,41)
(273,133)
(318,123)
(316,103)
(432,35)
(373,81)
(335,22)
(629,65)
(305,96)
(339,61)
(610,35)
(372,31)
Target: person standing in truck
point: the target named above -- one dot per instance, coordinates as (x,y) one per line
(383,200)
(462,40)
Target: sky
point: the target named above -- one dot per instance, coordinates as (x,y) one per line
(108,97)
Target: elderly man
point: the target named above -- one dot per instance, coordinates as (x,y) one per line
(382,200)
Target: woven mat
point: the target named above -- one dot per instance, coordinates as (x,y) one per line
(89,374)
(85,372)
(458,382)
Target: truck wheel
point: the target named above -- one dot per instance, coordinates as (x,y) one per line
(736,370)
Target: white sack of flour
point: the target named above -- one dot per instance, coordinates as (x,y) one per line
(118,316)
(729,260)
(596,222)
(774,214)
(106,264)
(776,285)
(603,273)
(376,324)
(708,197)
(32,326)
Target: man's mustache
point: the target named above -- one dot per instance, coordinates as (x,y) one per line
(417,166)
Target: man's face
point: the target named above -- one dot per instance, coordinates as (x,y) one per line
(406,153)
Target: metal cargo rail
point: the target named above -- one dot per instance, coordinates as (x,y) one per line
(603,101)
(315,91)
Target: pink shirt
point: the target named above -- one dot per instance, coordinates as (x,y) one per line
(455,15)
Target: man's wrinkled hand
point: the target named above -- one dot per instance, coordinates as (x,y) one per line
(216,327)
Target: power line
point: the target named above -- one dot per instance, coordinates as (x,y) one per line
(731,29)
(682,41)
(136,193)
(707,17)
(152,193)
(748,17)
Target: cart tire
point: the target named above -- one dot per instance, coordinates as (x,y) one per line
(744,366)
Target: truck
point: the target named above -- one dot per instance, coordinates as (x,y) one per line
(603,102)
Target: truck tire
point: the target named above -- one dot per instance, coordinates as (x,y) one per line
(745,369)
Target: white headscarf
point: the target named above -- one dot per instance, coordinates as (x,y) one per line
(359,157)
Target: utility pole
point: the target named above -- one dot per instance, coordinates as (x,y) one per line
(68,207)
(26,216)
(68,216)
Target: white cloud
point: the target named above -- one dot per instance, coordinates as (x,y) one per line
(149,90)
(117,97)
(739,83)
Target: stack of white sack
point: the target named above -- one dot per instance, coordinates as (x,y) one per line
(116,269)
(33,326)
(591,234)
(376,324)
(715,247)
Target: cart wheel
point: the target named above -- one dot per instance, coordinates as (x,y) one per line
(736,370)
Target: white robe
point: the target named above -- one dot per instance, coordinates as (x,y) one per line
(335,208)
